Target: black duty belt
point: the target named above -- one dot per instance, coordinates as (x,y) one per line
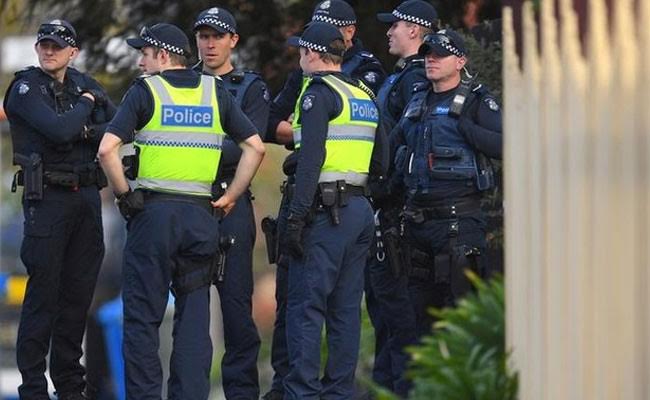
(68,179)
(446,211)
(201,201)
(356,190)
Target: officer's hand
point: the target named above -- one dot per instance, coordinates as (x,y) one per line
(98,96)
(284,133)
(130,203)
(89,96)
(225,202)
(291,240)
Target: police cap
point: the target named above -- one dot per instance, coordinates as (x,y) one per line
(318,36)
(164,36)
(443,43)
(335,12)
(218,19)
(416,11)
(59,31)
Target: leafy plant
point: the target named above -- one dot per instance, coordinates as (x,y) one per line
(465,357)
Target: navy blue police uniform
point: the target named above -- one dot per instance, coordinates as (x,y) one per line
(387,295)
(239,364)
(357,64)
(326,253)
(169,241)
(442,162)
(55,134)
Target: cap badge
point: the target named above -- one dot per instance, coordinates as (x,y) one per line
(213,10)
(325,5)
(56,22)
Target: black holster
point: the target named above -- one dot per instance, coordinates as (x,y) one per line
(219,264)
(397,251)
(270,229)
(30,176)
(328,195)
(463,257)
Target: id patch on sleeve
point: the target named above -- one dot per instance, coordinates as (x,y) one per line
(364,110)
(308,102)
(491,103)
(197,116)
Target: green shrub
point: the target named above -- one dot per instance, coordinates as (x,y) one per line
(465,357)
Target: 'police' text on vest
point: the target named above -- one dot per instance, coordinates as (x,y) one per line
(186,116)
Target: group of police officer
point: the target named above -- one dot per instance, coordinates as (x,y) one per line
(382,195)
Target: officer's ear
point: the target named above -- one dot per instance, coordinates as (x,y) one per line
(234,38)
(74,52)
(162,56)
(460,63)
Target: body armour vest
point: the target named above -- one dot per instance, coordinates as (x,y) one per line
(435,149)
(387,91)
(237,83)
(350,136)
(180,146)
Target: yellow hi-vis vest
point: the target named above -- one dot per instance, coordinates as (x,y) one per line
(350,135)
(180,146)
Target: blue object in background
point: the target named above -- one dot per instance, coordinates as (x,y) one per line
(110,317)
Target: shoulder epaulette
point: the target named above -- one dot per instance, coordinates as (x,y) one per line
(26,70)
(421,86)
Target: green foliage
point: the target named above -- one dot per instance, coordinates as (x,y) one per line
(465,358)
(485,59)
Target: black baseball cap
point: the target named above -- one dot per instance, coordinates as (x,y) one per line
(335,12)
(218,19)
(162,35)
(416,11)
(59,31)
(443,43)
(317,37)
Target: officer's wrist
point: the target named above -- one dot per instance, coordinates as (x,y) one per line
(121,196)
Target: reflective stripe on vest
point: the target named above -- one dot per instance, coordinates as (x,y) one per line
(350,136)
(180,146)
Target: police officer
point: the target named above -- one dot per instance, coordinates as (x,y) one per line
(216,36)
(358,64)
(181,118)
(57,115)
(329,226)
(443,140)
(386,283)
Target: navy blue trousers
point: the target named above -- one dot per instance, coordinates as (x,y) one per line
(242,342)
(433,237)
(279,351)
(325,287)
(394,321)
(165,236)
(62,250)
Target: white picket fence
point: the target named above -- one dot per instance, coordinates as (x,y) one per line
(577,201)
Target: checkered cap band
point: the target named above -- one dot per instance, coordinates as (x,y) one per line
(68,39)
(312,46)
(412,18)
(214,21)
(451,48)
(333,21)
(162,45)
